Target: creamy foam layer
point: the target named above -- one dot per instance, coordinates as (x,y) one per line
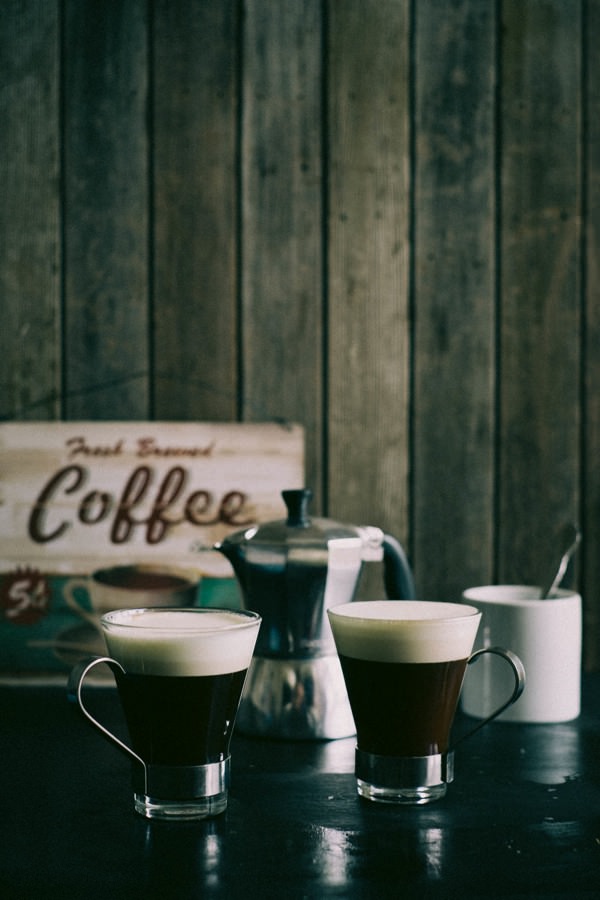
(181,642)
(408,631)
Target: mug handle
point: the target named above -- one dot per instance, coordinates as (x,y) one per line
(518,670)
(74,604)
(74,693)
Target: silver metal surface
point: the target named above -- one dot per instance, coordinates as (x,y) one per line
(181,782)
(291,572)
(520,680)
(410,772)
(569,540)
(296,699)
(74,692)
(167,782)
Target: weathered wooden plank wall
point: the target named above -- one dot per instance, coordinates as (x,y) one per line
(589,475)
(281,252)
(378,219)
(454,264)
(105,213)
(30,216)
(193,145)
(368,346)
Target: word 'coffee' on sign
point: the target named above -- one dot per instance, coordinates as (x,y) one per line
(135,490)
(170,506)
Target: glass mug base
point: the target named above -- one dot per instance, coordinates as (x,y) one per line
(198,808)
(411,780)
(410,796)
(181,792)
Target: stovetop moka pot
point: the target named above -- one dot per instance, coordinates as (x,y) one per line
(292,571)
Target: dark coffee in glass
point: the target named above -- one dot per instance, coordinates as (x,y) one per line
(403,709)
(180,674)
(180,720)
(403,663)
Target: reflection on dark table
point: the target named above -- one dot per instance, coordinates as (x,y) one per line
(522,818)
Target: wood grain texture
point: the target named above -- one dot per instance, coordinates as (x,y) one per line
(376,219)
(590,480)
(540,392)
(30,348)
(368,348)
(455,298)
(195,328)
(105,215)
(282,301)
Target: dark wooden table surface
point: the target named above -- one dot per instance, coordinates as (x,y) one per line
(522,818)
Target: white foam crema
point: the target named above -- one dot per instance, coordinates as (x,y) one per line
(181,641)
(411,631)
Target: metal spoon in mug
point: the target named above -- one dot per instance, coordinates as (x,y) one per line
(570,538)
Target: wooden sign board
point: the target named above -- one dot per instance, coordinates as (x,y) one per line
(76,496)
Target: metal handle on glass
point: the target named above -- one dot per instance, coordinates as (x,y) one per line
(175,782)
(519,673)
(74,688)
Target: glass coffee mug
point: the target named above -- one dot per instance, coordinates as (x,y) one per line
(404,662)
(179,675)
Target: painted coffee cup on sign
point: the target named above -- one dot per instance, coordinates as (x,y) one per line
(129,586)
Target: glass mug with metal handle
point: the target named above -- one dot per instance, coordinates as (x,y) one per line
(404,664)
(179,675)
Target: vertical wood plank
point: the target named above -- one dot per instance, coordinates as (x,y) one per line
(282,221)
(195,209)
(239,242)
(106,210)
(454,259)
(540,317)
(368,315)
(30,357)
(591,347)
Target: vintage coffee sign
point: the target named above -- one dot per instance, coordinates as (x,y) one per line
(73,491)
(77,496)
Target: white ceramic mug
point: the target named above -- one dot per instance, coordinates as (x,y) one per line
(545,634)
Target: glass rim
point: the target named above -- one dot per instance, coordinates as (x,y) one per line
(449,611)
(115,619)
(526,596)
